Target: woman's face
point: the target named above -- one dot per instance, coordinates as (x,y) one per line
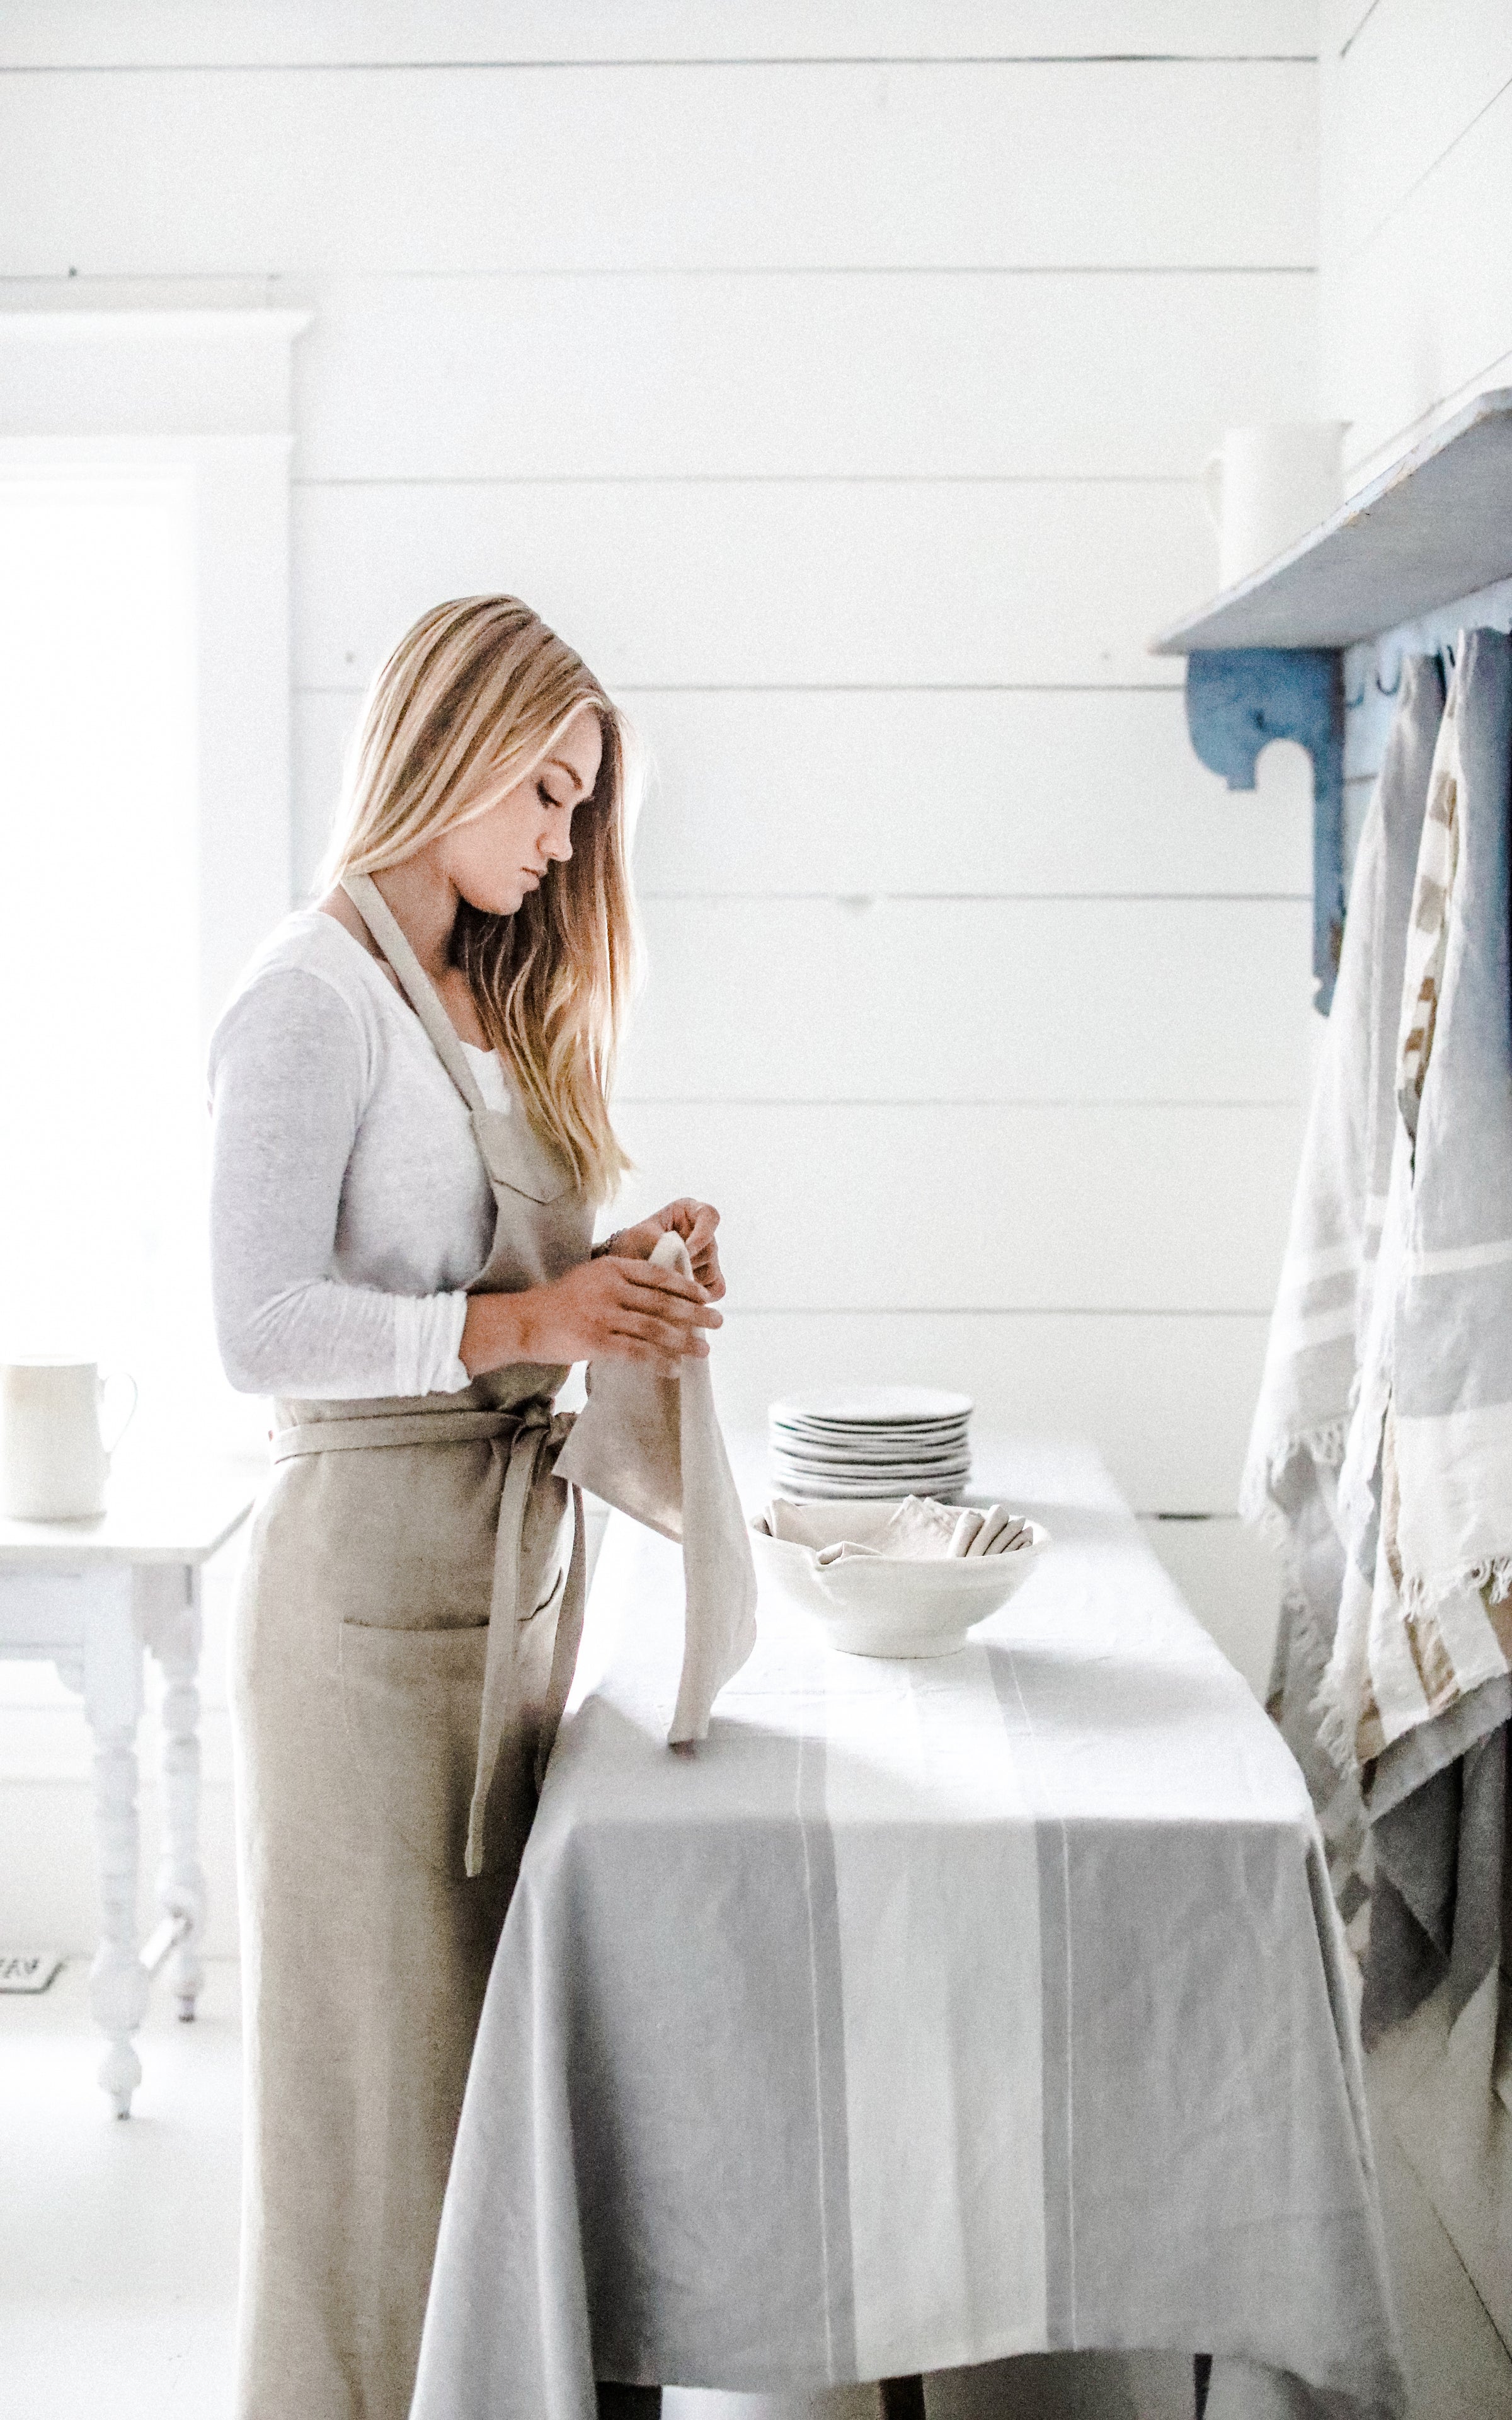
(500,854)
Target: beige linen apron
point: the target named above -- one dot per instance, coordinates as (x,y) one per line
(406,1635)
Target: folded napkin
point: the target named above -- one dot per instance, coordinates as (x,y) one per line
(1426,1493)
(920,1531)
(652,1446)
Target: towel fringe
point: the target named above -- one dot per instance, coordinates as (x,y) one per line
(1491,1578)
(1324,1445)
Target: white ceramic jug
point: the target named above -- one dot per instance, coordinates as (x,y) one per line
(54,1461)
(1267,486)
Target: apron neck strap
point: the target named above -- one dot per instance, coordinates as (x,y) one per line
(417,987)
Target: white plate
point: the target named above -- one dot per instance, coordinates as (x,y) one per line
(825,1491)
(942,1467)
(876,1406)
(870,1470)
(896,1441)
(895,1449)
(872,1429)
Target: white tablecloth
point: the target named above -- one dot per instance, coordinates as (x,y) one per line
(929,2012)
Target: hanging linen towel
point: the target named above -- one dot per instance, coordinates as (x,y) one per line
(652,1446)
(1323,1303)
(1426,1494)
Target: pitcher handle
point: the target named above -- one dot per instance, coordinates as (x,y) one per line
(113,1378)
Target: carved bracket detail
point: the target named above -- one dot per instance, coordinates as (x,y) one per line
(1238,700)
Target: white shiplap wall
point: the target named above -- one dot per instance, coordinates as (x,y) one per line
(844,410)
(1416,216)
(836,377)
(1415,178)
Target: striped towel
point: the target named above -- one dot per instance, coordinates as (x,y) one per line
(1426,1493)
(1323,1305)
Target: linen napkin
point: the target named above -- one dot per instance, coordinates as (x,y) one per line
(652,1446)
(919,1529)
(1426,1494)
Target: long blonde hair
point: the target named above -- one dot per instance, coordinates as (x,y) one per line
(480,688)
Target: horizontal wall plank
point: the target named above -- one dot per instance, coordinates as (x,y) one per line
(1034,791)
(932,1207)
(1411,326)
(798,586)
(1125,374)
(1167,1402)
(1079,791)
(1412,81)
(311,170)
(85,33)
(963,1001)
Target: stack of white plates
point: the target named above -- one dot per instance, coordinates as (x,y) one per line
(872,1441)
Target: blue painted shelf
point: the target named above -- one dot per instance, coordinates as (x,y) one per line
(1264,661)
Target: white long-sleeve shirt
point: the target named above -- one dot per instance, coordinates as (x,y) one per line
(349,1207)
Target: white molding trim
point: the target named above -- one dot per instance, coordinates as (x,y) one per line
(202,396)
(147,371)
(289,33)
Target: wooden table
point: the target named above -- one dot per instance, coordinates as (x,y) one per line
(89,1597)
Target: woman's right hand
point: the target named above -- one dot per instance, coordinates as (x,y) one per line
(629,1311)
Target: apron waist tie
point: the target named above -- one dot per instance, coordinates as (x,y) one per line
(530,1576)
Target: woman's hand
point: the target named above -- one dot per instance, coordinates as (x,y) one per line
(695,1221)
(623,1308)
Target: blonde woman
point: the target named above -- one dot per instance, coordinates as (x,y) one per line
(411,1136)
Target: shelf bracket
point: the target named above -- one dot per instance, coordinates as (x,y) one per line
(1238,700)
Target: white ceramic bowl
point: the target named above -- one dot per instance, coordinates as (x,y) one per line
(887,1608)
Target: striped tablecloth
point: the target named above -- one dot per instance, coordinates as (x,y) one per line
(930,2012)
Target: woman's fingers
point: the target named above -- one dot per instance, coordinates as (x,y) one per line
(702,1249)
(674,1324)
(680,1297)
(687,1215)
(677,1343)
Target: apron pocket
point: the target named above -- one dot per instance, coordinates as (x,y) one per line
(411,1701)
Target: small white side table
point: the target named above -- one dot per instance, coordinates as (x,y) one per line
(89,1597)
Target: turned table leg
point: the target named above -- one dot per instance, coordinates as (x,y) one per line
(113,1705)
(168,1610)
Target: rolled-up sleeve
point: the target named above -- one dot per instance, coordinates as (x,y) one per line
(290,1070)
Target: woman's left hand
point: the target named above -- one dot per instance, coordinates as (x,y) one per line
(695,1221)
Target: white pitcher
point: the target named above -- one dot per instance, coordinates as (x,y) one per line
(1267,486)
(54,1460)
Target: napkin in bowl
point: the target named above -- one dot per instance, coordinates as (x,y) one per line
(920,1529)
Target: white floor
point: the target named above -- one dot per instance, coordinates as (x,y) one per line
(118,2253)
